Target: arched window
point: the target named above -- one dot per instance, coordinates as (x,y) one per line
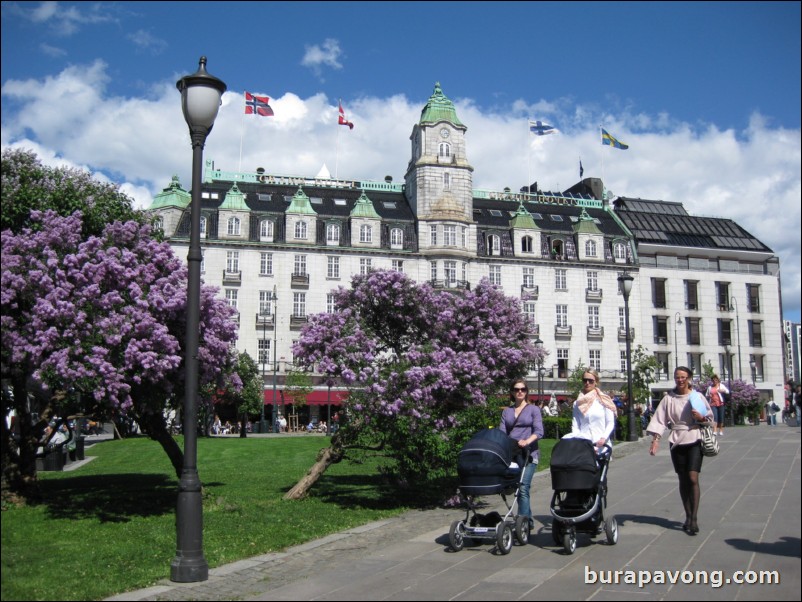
(493,245)
(445,149)
(158,224)
(233,226)
(365,233)
(526,244)
(266,230)
(333,234)
(446,181)
(396,238)
(620,250)
(203,226)
(300,230)
(590,248)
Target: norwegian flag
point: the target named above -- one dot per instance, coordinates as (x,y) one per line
(257,105)
(343,120)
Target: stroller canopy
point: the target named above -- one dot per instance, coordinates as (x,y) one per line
(574,465)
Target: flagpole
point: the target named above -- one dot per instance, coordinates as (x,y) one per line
(337,142)
(241,136)
(528,160)
(604,182)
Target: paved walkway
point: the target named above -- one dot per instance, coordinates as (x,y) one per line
(749,521)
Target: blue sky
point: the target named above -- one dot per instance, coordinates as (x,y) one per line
(707,95)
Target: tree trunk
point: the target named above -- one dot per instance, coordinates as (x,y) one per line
(154,426)
(243,432)
(19,481)
(326,457)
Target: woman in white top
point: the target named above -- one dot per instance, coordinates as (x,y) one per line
(594,413)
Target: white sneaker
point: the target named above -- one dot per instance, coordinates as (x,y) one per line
(721,434)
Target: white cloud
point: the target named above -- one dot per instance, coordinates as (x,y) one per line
(751,177)
(144,40)
(328,54)
(66,20)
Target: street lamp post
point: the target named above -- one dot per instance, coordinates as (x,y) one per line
(738,333)
(754,372)
(677,321)
(625,280)
(275,353)
(200,100)
(264,353)
(728,376)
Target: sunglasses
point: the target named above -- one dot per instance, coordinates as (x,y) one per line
(588,380)
(520,389)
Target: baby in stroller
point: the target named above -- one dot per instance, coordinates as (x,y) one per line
(489,464)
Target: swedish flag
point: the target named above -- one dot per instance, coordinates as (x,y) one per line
(611,141)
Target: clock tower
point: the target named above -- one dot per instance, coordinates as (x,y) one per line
(439,180)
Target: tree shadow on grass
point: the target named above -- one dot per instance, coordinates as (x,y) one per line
(113,498)
(376,492)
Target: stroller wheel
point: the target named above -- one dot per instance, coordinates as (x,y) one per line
(611,530)
(504,537)
(522,530)
(569,541)
(456,535)
(556,533)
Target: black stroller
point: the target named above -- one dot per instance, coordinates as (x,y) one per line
(579,481)
(490,463)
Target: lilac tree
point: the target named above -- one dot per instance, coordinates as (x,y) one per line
(416,360)
(104,315)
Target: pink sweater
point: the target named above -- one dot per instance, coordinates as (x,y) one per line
(675,410)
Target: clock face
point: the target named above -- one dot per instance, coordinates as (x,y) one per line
(444,133)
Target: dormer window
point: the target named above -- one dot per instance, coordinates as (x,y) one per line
(158,224)
(266,227)
(203,226)
(590,248)
(333,234)
(396,238)
(620,250)
(526,244)
(365,233)
(234,226)
(493,245)
(300,230)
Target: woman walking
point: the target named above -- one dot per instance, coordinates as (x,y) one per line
(523,423)
(685,440)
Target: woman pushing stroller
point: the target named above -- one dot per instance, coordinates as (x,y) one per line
(523,422)
(594,414)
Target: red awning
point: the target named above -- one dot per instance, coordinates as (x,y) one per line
(313,398)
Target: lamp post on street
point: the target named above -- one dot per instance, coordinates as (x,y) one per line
(625,280)
(263,356)
(677,321)
(539,347)
(738,333)
(728,376)
(275,363)
(201,96)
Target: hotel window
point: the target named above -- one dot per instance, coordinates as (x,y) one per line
(233,226)
(723,295)
(495,275)
(203,227)
(333,270)
(264,351)
(331,305)
(691,294)
(755,333)
(529,277)
(450,271)
(623,364)
(450,236)
(365,233)
(593,316)
(660,325)
(433,235)
(659,293)
(266,303)
(526,244)
(300,265)
(562,316)
(593,281)
(266,264)
(396,238)
(590,248)
(266,230)
(529,312)
(299,305)
(433,271)
(560,279)
(724,332)
(464,237)
(397,265)
(232,262)
(622,318)
(333,234)
(562,363)
(364,265)
(231,297)
(753,298)
(620,250)
(494,245)
(595,359)
(300,230)
(694,331)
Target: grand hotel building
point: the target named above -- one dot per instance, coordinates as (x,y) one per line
(705,290)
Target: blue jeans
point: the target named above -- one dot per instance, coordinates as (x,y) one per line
(718,414)
(772,419)
(524,506)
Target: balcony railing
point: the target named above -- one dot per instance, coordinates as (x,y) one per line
(264,319)
(232,277)
(622,333)
(562,331)
(593,294)
(451,284)
(533,330)
(658,340)
(596,333)
(297,322)
(299,281)
(529,293)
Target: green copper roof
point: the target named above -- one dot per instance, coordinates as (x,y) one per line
(364,208)
(586,225)
(235,200)
(172,196)
(523,219)
(439,108)
(300,204)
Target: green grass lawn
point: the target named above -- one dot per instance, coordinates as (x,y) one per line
(109,526)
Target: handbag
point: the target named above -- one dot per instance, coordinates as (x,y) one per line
(709,442)
(774,407)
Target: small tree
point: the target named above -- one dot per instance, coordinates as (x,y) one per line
(414,359)
(644,368)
